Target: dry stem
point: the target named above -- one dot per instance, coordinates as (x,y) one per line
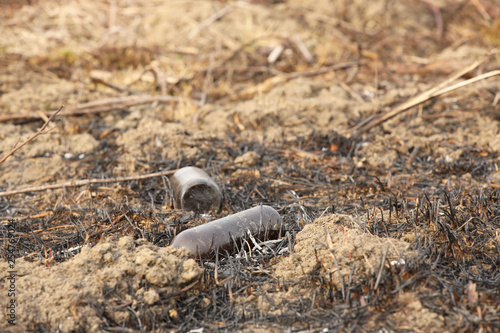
(84,182)
(216,16)
(115,86)
(103,105)
(283,77)
(438,90)
(40,132)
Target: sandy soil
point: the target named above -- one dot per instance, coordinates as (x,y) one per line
(367,209)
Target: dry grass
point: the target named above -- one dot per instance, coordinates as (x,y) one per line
(159,85)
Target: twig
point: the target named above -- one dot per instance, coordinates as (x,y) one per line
(379,276)
(275,53)
(159,78)
(302,48)
(114,86)
(239,50)
(84,182)
(480,8)
(351,92)
(323,70)
(496,99)
(103,105)
(420,98)
(467,82)
(438,18)
(412,157)
(424,96)
(208,77)
(40,132)
(209,21)
(340,274)
(330,248)
(283,77)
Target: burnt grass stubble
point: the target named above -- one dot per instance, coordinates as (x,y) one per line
(451,227)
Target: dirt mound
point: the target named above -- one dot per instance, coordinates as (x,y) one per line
(113,280)
(328,111)
(414,316)
(338,244)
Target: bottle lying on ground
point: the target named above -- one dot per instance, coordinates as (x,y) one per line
(229,233)
(195,191)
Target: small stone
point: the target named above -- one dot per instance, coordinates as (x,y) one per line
(248,159)
(151,296)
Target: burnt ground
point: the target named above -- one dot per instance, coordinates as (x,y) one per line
(393,224)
